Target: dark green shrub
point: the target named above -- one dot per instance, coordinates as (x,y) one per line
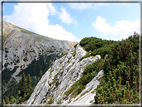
(75,45)
(57,83)
(120,73)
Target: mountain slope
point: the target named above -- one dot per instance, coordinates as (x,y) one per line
(23,50)
(83,78)
(60,77)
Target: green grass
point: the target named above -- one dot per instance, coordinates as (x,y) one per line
(84,93)
(63,55)
(50,100)
(23,30)
(73,54)
(59,102)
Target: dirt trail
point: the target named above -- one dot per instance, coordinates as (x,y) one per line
(10,37)
(18,69)
(72,44)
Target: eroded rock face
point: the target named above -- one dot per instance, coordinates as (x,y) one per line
(21,47)
(61,76)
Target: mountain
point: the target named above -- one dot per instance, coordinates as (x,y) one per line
(95,71)
(61,76)
(27,52)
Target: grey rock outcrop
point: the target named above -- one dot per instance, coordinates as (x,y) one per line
(61,76)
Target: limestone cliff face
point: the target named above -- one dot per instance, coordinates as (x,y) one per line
(61,76)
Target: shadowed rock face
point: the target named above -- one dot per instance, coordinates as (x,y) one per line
(21,47)
(65,71)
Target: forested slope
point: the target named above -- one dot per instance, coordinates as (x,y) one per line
(120,84)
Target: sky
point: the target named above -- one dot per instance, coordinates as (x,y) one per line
(74,21)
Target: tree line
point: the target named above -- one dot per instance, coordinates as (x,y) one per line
(24,90)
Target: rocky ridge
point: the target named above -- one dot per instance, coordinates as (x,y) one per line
(61,76)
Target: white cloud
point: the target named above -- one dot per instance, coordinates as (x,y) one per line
(52,9)
(83,6)
(122,28)
(80,6)
(112,38)
(35,16)
(65,17)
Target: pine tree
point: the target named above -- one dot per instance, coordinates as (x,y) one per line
(41,74)
(22,86)
(29,82)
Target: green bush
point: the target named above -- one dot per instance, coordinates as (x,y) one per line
(121,71)
(92,43)
(94,67)
(57,83)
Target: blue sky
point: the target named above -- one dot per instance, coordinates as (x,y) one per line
(74,21)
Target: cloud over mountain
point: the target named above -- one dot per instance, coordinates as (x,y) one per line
(34,16)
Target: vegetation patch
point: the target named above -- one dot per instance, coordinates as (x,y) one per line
(59,102)
(24,30)
(50,100)
(73,54)
(93,91)
(51,84)
(84,93)
(75,45)
(6,74)
(91,101)
(88,74)
(76,99)
(43,63)
(64,55)
(97,46)
(57,83)
(121,74)
(50,73)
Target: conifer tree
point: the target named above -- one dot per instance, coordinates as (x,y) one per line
(29,82)
(22,86)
